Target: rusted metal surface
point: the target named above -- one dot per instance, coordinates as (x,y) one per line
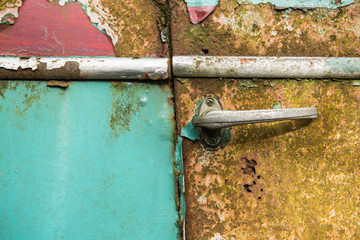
(260,30)
(84,68)
(288,180)
(266,67)
(141,22)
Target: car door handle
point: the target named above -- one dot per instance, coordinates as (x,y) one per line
(211,119)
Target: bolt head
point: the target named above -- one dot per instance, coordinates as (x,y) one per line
(210,102)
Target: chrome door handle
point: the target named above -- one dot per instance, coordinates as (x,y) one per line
(212,120)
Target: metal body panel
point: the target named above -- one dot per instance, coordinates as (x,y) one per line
(290,180)
(296,179)
(89,162)
(246,29)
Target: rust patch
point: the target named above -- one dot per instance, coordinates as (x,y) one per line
(69,71)
(3,87)
(260,30)
(139,28)
(282,180)
(61,84)
(247,60)
(125,105)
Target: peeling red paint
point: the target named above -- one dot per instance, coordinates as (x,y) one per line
(47,29)
(197,14)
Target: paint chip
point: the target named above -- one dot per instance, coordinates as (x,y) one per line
(200,9)
(61,84)
(217,237)
(16,63)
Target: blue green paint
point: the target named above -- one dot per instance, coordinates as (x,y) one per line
(302,3)
(344,64)
(5,18)
(189,132)
(356,83)
(63,174)
(96,25)
(201,3)
(248,83)
(277,105)
(179,168)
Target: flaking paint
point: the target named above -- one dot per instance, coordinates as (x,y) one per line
(45,34)
(137,25)
(260,30)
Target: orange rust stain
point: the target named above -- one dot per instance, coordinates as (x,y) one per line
(247,60)
(278,180)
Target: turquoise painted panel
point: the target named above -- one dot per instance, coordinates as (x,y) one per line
(302,3)
(94,161)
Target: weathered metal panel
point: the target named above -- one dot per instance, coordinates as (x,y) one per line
(94,161)
(48,29)
(64,28)
(259,30)
(200,9)
(285,180)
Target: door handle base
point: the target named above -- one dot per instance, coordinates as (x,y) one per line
(211,138)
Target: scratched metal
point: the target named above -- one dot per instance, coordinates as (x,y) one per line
(286,180)
(89,162)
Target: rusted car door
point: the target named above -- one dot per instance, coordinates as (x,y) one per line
(295,179)
(84,159)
